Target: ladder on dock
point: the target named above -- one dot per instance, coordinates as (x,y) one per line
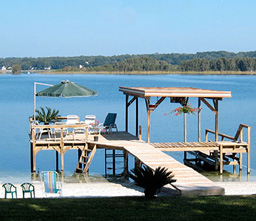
(85,159)
(113,160)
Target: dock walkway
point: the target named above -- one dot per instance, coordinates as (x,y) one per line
(189,182)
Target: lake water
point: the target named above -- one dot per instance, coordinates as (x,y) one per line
(16,99)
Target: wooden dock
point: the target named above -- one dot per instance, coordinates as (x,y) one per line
(189,182)
(151,154)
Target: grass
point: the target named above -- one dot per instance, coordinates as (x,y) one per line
(131,208)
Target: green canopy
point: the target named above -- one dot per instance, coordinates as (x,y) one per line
(67,89)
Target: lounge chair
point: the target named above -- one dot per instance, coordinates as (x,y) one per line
(109,122)
(9,188)
(51,182)
(28,188)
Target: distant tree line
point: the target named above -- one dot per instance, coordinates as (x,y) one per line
(136,64)
(201,61)
(220,64)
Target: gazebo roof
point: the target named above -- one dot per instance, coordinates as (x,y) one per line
(146,92)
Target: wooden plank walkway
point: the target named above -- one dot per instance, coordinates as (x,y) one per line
(189,182)
(186,146)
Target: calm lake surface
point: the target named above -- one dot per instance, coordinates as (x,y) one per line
(16,98)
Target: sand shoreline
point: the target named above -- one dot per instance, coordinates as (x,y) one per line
(124,189)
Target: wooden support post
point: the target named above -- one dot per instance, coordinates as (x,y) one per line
(62,149)
(148,126)
(140,138)
(185,127)
(248,150)
(148,119)
(199,120)
(137,117)
(216,120)
(221,159)
(185,134)
(79,153)
(114,162)
(33,154)
(57,161)
(126,169)
(234,169)
(137,162)
(216,159)
(126,112)
(31,158)
(240,161)
(86,134)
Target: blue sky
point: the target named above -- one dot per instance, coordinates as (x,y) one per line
(40,28)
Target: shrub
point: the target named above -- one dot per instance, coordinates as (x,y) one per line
(151,180)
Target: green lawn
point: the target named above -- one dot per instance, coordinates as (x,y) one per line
(131,208)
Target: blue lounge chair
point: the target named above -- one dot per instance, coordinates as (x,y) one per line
(109,122)
(9,188)
(51,182)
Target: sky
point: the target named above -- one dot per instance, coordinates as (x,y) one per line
(44,28)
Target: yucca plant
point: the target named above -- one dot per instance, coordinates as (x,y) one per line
(151,180)
(47,116)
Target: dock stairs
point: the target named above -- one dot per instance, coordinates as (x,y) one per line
(85,159)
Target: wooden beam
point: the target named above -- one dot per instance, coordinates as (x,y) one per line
(137,117)
(126,169)
(208,105)
(148,125)
(126,112)
(148,119)
(57,161)
(216,121)
(159,101)
(61,150)
(199,120)
(221,159)
(33,154)
(249,150)
(131,101)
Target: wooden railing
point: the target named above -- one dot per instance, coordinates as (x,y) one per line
(238,136)
(61,128)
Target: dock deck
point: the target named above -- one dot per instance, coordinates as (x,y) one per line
(189,182)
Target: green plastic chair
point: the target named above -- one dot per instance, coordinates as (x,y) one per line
(28,188)
(9,188)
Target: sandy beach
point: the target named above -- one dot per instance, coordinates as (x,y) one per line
(121,189)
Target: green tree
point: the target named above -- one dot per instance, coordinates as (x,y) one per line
(16,69)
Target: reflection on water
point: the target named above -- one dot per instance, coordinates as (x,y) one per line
(17,106)
(230,177)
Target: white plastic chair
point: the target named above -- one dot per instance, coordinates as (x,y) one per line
(40,131)
(90,121)
(57,131)
(72,119)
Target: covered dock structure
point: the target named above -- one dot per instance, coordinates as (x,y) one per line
(217,151)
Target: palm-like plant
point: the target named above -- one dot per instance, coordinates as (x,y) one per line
(151,180)
(47,116)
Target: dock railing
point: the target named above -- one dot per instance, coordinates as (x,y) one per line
(238,136)
(35,130)
(36,142)
(238,141)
